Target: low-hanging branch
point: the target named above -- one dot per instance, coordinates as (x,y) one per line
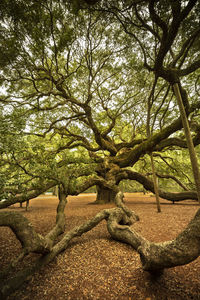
(167,176)
(27,195)
(148,185)
(24,231)
(157,256)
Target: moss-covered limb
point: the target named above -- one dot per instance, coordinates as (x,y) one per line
(130,144)
(167,176)
(14,283)
(173,178)
(24,231)
(158,256)
(159,140)
(27,195)
(118,226)
(79,230)
(132,217)
(132,156)
(101,139)
(80,187)
(27,236)
(154,256)
(169,33)
(171,142)
(190,69)
(148,185)
(180,251)
(11,285)
(77,187)
(4,273)
(59,228)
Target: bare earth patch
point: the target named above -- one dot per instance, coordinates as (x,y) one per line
(97,267)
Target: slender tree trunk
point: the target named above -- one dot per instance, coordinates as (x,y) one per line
(149,133)
(155,184)
(189,140)
(55,190)
(27,205)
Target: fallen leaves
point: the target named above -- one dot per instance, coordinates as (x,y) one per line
(96,267)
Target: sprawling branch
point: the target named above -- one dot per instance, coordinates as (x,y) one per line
(180,251)
(185,48)
(171,142)
(167,176)
(59,228)
(11,285)
(154,256)
(169,32)
(193,67)
(148,185)
(149,145)
(27,195)
(157,256)
(25,233)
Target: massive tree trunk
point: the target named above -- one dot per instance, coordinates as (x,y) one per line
(105,195)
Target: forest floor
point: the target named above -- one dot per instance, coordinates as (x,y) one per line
(96,267)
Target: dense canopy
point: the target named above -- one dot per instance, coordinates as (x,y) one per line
(98,93)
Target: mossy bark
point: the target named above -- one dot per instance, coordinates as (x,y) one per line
(105,195)
(148,185)
(154,256)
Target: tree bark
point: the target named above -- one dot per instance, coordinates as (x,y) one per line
(155,183)
(148,185)
(105,195)
(189,140)
(24,232)
(157,256)
(154,256)
(59,228)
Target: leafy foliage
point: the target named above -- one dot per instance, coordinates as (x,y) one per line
(79,92)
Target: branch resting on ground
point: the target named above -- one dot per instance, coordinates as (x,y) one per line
(154,256)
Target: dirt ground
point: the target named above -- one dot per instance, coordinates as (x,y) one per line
(97,267)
